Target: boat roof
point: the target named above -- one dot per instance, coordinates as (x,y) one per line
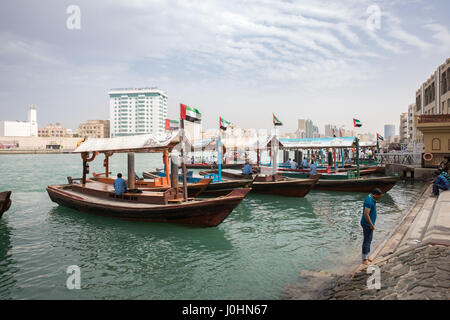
(137,143)
(315,143)
(240,143)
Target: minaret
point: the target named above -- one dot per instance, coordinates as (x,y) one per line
(32,119)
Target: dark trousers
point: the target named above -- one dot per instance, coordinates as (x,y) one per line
(368,235)
(436,188)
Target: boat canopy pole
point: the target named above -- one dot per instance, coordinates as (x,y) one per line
(166,166)
(357,157)
(219,157)
(131,171)
(183,164)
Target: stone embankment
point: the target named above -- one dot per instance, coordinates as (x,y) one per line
(414,261)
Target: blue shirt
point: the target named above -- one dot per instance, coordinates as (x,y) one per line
(313,169)
(247,169)
(372,205)
(304,163)
(120,186)
(441,181)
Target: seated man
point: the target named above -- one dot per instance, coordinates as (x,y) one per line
(120,185)
(247,171)
(313,168)
(440,183)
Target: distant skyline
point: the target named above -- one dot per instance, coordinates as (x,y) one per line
(320,60)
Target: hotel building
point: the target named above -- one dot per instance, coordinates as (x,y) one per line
(137,111)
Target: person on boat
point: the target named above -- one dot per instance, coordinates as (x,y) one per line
(313,168)
(247,171)
(294,164)
(288,163)
(304,163)
(440,182)
(368,219)
(120,185)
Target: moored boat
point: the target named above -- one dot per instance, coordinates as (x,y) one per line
(100,199)
(357,184)
(277,185)
(5,202)
(170,205)
(213,165)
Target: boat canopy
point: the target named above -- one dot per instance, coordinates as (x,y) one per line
(239,143)
(317,143)
(368,144)
(138,143)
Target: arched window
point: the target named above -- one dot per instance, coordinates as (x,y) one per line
(436,144)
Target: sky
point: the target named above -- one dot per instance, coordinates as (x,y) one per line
(328,61)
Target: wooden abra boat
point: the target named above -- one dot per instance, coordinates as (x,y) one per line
(99,198)
(170,204)
(213,166)
(5,202)
(357,185)
(212,188)
(277,185)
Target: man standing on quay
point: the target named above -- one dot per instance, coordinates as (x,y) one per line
(368,219)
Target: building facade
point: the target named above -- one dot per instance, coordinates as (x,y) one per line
(436,131)
(94,129)
(55,130)
(137,111)
(18,128)
(433,96)
(403,127)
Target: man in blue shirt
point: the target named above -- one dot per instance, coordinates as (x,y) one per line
(313,168)
(247,171)
(120,185)
(304,163)
(440,183)
(369,216)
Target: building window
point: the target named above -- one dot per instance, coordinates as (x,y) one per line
(436,144)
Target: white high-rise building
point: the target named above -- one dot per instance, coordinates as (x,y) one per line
(137,111)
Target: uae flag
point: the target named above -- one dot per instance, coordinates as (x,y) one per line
(223,123)
(380,137)
(356,123)
(190,114)
(172,124)
(276,122)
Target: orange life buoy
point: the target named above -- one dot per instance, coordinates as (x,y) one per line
(427,156)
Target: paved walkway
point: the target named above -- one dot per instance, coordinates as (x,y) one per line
(414,261)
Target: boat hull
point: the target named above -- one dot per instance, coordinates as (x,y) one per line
(203,213)
(5,202)
(225,187)
(357,185)
(287,188)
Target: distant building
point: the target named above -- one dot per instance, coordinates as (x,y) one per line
(137,111)
(404,128)
(94,129)
(389,131)
(55,130)
(17,128)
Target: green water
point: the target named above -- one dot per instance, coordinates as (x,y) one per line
(260,247)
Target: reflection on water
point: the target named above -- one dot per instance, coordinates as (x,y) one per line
(262,245)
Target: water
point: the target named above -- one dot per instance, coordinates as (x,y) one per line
(260,247)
